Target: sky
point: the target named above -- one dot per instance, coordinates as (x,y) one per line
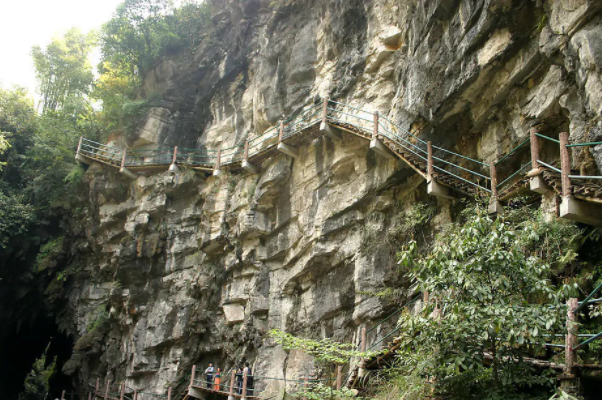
(26,23)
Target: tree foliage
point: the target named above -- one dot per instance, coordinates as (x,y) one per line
(491,299)
(63,71)
(325,350)
(37,381)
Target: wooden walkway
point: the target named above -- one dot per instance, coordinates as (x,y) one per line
(448,174)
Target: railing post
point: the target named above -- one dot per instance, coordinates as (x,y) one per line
(565,162)
(324,109)
(107,390)
(567,382)
(363,344)
(79,145)
(281,133)
(89,395)
(219,159)
(339,377)
(493,176)
(232,379)
(534,148)
(430,169)
(122,390)
(63,395)
(175,155)
(123,160)
(135,394)
(495,206)
(244,383)
(97,386)
(246,150)
(305,386)
(375,131)
(192,376)
(169,393)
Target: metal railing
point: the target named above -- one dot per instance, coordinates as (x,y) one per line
(453,168)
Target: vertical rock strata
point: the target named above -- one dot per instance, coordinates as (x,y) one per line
(192,268)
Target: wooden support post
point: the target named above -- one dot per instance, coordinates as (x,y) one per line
(306,386)
(339,377)
(79,145)
(433,187)
(375,131)
(175,155)
(246,165)
(565,162)
(232,380)
(107,390)
(122,391)
(173,168)
(281,132)
(63,395)
(536,181)
(89,395)
(97,386)
(568,378)
(169,393)
(123,170)
(363,344)
(534,149)
(217,171)
(192,376)
(324,109)
(244,384)
(495,207)
(430,170)
(123,159)
(135,394)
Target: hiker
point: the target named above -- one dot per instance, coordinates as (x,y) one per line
(209,372)
(239,379)
(247,372)
(218,379)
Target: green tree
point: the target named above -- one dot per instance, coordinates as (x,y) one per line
(37,381)
(63,71)
(18,123)
(137,34)
(491,299)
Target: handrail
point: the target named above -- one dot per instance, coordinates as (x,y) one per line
(462,179)
(514,150)
(514,174)
(549,166)
(333,111)
(548,138)
(584,144)
(459,155)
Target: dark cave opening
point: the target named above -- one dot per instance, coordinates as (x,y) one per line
(21,347)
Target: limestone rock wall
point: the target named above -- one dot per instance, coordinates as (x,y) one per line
(190,268)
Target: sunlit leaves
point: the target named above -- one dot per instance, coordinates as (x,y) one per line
(490,296)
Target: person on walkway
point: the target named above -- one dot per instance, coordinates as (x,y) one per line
(209,373)
(218,379)
(239,379)
(247,372)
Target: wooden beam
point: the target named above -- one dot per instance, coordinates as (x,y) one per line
(363,343)
(495,206)
(565,164)
(568,378)
(375,131)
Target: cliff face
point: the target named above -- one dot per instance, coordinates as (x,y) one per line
(188,268)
